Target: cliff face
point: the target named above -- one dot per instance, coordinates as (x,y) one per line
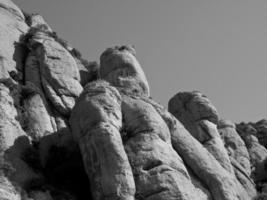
(73,129)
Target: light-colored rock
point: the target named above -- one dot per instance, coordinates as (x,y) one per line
(131,147)
(38,122)
(200,117)
(234,144)
(37,21)
(95,122)
(12,26)
(160,172)
(200,189)
(10,7)
(14,172)
(257,153)
(10,129)
(13,143)
(245,180)
(59,72)
(7,190)
(193,106)
(119,66)
(238,154)
(33,80)
(220,182)
(40,118)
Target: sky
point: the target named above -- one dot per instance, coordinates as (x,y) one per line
(216,47)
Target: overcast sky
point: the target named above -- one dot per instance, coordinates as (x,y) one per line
(216,47)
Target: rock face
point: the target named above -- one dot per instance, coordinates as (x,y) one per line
(73,129)
(12,26)
(200,118)
(139,160)
(257,152)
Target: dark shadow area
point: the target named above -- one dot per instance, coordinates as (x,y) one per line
(259,175)
(65,171)
(90,71)
(20,56)
(63,174)
(63,168)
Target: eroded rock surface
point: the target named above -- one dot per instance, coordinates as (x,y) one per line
(12,26)
(201,118)
(74,129)
(257,152)
(58,72)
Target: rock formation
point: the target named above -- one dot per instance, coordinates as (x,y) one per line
(71,129)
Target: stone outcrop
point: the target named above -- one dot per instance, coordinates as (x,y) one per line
(257,152)
(12,26)
(200,118)
(75,129)
(58,71)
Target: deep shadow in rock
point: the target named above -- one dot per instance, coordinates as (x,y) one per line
(260,175)
(64,169)
(20,54)
(63,175)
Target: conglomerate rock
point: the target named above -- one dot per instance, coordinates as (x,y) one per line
(257,152)
(138,160)
(73,129)
(13,142)
(238,154)
(200,117)
(234,144)
(58,72)
(12,26)
(261,127)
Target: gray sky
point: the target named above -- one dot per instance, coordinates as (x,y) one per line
(216,47)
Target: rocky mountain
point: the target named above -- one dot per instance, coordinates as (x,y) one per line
(71,129)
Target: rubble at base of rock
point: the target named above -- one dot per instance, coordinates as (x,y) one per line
(72,129)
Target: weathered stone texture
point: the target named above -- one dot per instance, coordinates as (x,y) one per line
(71,129)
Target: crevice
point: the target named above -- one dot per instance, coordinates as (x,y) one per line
(53,57)
(153,164)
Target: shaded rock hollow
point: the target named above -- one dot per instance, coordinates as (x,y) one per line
(74,129)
